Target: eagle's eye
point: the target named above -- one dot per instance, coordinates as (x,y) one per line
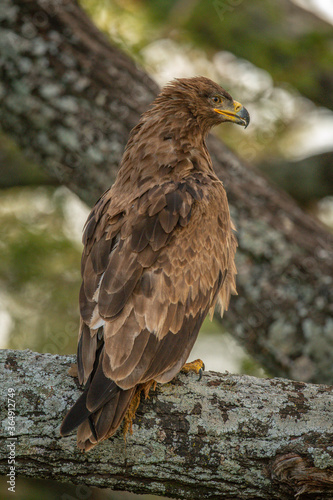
(217,99)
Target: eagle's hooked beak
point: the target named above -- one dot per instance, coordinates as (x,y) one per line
(239,114)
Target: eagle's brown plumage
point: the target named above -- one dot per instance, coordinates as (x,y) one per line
(158,255)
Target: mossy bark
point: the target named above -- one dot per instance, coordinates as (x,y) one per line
(224,437)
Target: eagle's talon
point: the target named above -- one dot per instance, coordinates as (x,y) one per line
(196,366)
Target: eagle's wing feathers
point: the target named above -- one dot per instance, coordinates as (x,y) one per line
(152,281)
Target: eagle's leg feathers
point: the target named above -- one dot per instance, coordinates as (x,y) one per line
(130,414)
(147,386)
(196,366)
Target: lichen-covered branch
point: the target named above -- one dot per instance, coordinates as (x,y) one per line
(224,437)
(70,99)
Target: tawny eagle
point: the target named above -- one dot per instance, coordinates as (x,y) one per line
(158,256)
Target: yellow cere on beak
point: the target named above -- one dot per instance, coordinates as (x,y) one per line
(239,115)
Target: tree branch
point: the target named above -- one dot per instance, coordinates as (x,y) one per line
(70,99)
(224,437)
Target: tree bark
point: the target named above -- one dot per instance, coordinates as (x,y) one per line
(70,99)
(224,437)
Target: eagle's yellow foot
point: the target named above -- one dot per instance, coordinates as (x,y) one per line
(130,414)
(196,366)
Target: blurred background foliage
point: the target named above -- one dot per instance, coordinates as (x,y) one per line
(274,57)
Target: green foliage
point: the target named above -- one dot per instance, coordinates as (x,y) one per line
(272,35)
(39,271)
(250,367)
(292,45)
